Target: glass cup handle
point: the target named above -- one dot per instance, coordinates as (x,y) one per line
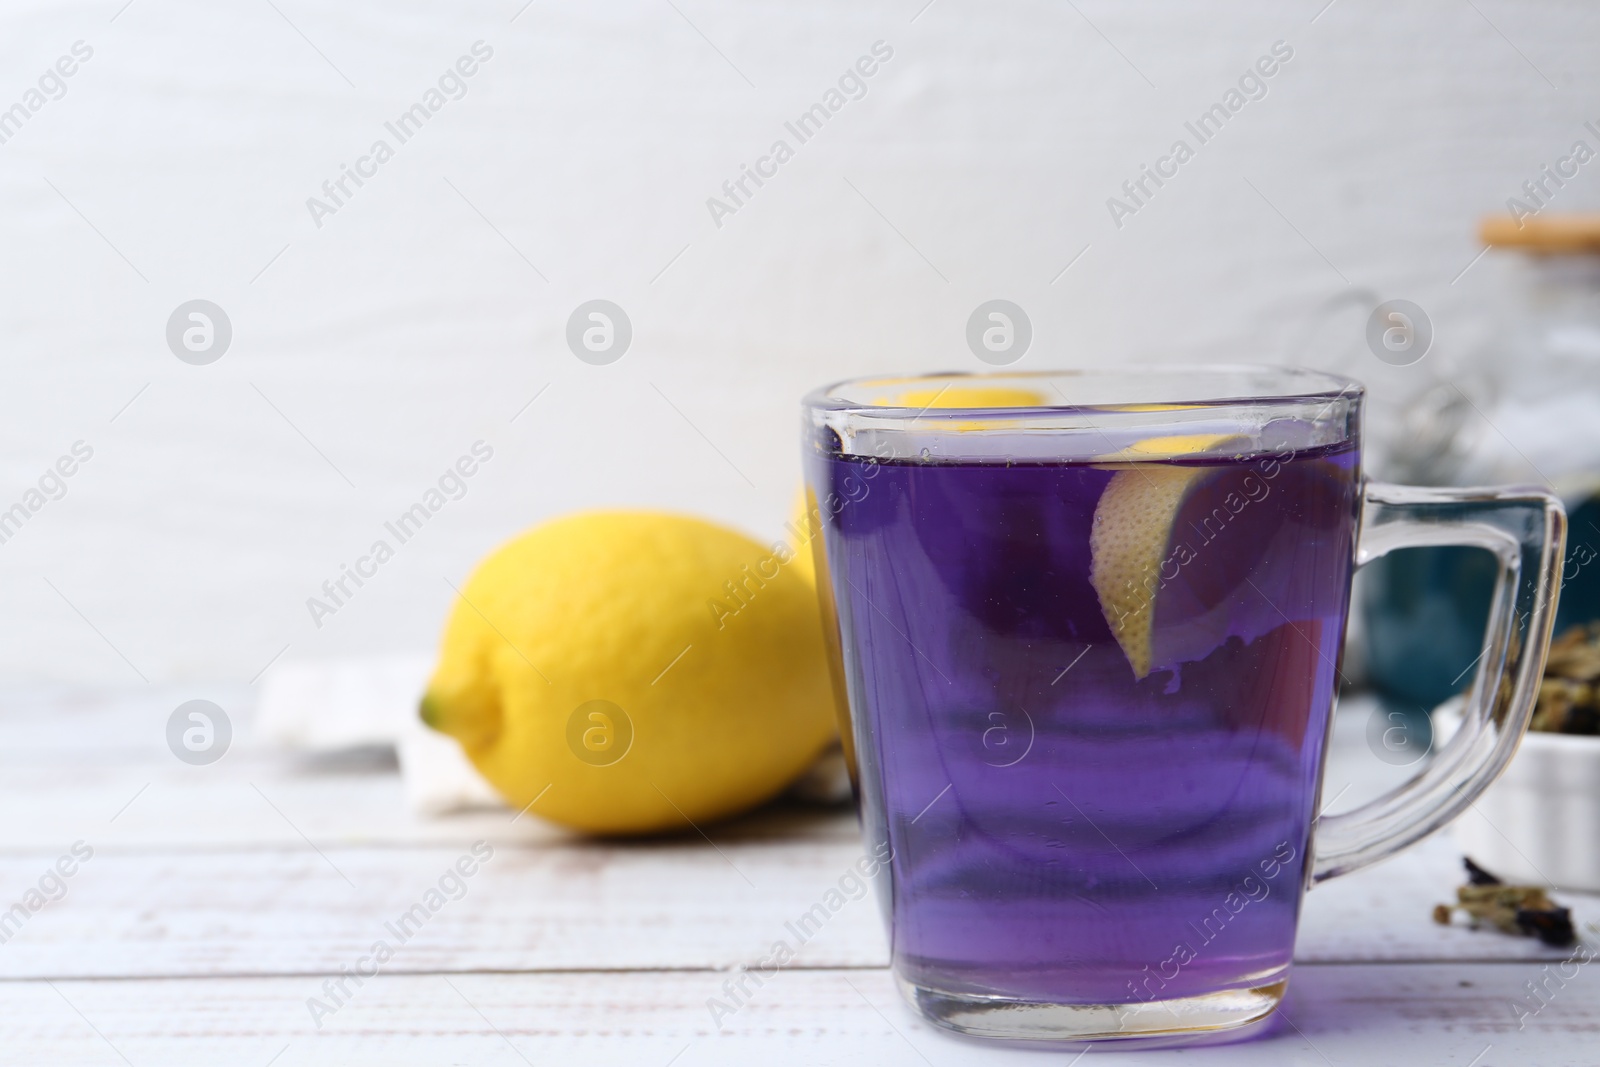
(1525,528)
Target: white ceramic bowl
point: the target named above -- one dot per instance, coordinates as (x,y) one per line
(1539,823)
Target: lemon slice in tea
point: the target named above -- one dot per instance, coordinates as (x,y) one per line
(1128,542)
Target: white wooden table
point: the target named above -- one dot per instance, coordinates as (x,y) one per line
(220,899)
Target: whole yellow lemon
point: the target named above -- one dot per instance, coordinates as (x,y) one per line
(635,671)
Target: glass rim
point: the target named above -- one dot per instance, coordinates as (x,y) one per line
(1298,384)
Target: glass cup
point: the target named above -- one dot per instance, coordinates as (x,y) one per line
(1087,626)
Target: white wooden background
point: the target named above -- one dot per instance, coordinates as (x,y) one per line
(417,321)
(220,898)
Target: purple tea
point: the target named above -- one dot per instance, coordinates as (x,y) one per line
(1090,701)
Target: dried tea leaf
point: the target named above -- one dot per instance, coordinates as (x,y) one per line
(1477,875)
(1524,910)
(1569,696)
(1553,925)
(1575,654)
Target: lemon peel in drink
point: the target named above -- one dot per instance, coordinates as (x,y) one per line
(1131,532)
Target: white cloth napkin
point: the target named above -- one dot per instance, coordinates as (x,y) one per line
(328,705)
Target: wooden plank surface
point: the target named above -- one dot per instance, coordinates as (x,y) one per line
(269,863)
(1363,1015)
(218,899)
(586,907)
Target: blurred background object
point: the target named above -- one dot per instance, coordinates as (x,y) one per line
(1525,409)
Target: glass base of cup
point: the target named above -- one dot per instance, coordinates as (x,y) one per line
(1214,1018)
